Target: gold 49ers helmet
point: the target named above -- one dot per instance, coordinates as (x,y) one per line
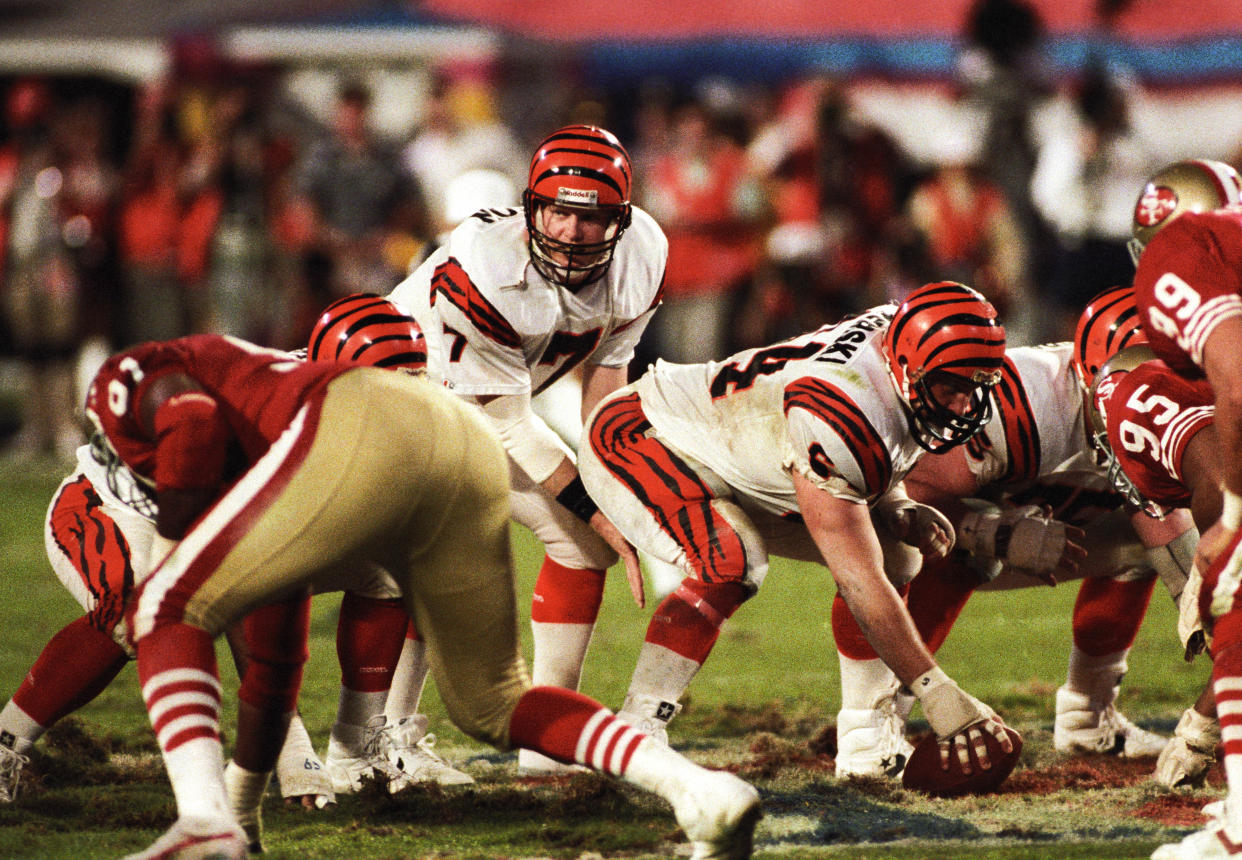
(368,329)
(1193,185)
(944,333)
(579,167)
(1098,399)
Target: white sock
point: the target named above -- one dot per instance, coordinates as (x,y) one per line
(1096,677)
(196,771)
(18,730)
(662,673)
(245,787)
(560,651)
(354,709)
(407,681)
(865,682)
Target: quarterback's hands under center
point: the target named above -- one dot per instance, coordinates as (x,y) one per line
(633,571)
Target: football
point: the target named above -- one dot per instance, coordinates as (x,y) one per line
(923,772)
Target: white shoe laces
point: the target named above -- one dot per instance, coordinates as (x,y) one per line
(11,764)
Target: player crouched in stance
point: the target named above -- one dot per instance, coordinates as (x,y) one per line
(708,467)
(1156,430)
(1188,244)
(1032,459)
(344,466)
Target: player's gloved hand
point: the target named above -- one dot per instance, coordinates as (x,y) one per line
(1186,760)
(959,720)
(1026,539)
(918,525)
(1190,626)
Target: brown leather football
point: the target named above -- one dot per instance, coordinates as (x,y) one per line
(924,773)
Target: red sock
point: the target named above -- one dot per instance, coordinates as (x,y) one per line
(177,674)
(688,621)
(1227,678)
(1108,612)
(848,634)
(572,728)
(937,597)
(567,595)
(74,667)
(369,636)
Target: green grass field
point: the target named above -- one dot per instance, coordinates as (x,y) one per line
(760,706)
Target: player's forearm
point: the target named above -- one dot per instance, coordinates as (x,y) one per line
(1229,433)
(887,625)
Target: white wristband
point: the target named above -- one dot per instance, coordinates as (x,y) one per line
(1231,510)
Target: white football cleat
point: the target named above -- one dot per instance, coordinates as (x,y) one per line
(872,742)
(718,813)
(347,772)
(197,839)
(410,750)
(1211,843)
(649,714)
(1081,728)
(11,764)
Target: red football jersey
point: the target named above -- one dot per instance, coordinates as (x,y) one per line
(1152,413)
(259,391)
(1189,279)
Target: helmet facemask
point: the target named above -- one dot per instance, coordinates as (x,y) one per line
(944,334)
(935,426)
(578,170)
(571,264)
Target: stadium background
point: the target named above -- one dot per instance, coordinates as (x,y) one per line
(901,69)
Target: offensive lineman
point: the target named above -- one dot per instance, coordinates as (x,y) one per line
(374,468)
(708,466)
(1033,457)
(514,300)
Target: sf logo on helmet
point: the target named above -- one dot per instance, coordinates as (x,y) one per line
(1156,204)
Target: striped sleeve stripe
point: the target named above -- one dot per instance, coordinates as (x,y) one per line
(451,281)
(836,409)
(1206,318)
(1021,429)
(1181,428)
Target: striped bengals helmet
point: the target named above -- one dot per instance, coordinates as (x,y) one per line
(944,333)
(577,167)
(1193,185)
(367,329)
(1108,324)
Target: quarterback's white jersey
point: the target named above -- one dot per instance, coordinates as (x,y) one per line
(495,326)
(821,403)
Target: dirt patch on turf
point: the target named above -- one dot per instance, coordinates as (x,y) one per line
(1175,810)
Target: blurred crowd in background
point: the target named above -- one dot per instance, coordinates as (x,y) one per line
(215,200)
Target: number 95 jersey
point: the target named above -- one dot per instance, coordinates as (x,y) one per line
(821,403)
(1151,415)
(494,325)
(1189,279)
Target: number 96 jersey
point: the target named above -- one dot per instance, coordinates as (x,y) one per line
(1151,415)
(821,403)
(1189,279)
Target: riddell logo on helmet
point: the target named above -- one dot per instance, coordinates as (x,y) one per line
(1156,204)
(577,196)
